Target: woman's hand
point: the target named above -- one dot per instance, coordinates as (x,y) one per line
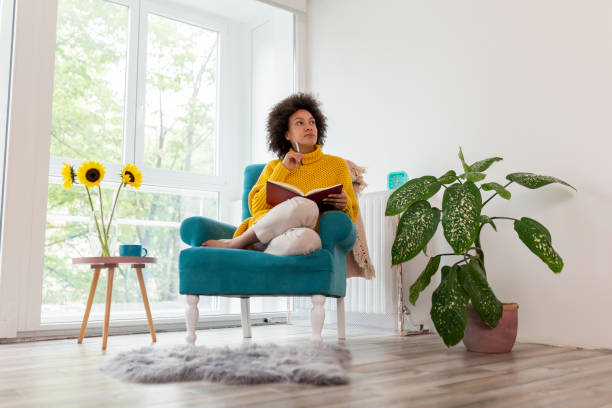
(291,160)
(338,201)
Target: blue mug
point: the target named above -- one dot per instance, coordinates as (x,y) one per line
(132,250)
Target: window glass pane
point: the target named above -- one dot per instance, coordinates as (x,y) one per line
(89,84)
(181,94)
(150,219)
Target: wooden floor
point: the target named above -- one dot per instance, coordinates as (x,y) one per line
(386,371)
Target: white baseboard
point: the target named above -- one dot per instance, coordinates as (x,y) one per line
(94,329)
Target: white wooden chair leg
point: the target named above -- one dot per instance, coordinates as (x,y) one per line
(317,317)
(191,316)
(245,319)
(341,321)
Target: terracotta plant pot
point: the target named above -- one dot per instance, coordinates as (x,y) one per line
(483,339)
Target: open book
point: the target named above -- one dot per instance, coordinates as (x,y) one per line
(277,192)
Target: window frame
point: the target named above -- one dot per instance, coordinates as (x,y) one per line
(166,176)
(134,103)
(25,189)
(7,19)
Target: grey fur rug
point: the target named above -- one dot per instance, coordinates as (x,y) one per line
(321,364)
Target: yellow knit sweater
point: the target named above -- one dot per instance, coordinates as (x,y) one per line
(318,170)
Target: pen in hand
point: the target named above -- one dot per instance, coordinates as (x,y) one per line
(297,148)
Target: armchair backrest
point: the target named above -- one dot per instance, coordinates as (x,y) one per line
(251,174)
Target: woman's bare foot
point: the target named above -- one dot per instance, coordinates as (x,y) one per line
(220,243)
(239,242)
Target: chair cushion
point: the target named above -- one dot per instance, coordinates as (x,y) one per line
(216,271)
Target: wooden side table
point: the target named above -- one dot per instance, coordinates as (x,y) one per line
(111,262)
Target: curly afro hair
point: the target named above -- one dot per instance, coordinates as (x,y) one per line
(278,121)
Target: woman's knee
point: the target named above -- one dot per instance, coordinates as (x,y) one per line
(307,239)
(296,241)
(306,210)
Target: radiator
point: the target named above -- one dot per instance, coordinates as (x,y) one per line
(378,295)
(380,302)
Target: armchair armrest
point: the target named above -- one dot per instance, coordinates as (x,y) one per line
(337,230)
(196,230)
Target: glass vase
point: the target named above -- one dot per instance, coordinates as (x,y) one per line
(101,244)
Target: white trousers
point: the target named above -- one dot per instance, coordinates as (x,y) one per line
(288,228)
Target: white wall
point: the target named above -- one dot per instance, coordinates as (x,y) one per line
(405,83)
(272,75)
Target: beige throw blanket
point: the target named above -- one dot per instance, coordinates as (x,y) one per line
(358,261)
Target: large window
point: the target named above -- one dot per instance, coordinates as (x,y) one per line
(135,81)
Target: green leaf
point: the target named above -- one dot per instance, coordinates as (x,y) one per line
(473,176)
(412,191)
(416,227)
(538,240)
(533,181)
(444,271)
(483,219)
(482,165)
(461,210)
(448,177)
(466,168)
(486,304)
(449,308)
(424,278)
(499,189)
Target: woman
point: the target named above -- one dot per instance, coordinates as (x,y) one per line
(296,131)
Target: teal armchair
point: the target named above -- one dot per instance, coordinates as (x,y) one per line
(244,273)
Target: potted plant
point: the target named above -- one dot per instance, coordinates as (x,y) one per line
(465,279)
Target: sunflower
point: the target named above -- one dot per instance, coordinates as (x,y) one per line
(68,175)
(91,173)
(131,175)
